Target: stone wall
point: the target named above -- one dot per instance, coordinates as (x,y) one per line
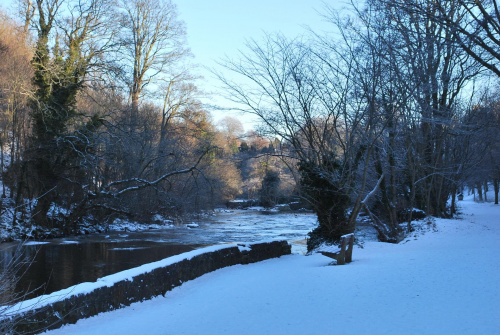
(142,287)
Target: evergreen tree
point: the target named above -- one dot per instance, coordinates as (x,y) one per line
(60,139)
(270,189)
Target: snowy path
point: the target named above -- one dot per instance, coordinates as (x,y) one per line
(439,282)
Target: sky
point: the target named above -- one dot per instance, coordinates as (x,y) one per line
(220,28)
(217,28)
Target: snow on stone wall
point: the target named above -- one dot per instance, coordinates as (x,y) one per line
(134,285)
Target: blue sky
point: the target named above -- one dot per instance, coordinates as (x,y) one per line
(217,29)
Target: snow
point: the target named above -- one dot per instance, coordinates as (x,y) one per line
(35,243)
(443,280)
(69,242)
(108,281)
(328,248)
(124,225)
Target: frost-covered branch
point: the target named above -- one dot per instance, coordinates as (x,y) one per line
(372,192)
(143,183)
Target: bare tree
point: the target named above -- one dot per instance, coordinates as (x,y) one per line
(436,70)
(368,116)
(84,154)
(15,76)
(311,99)
(483,137)
(474,25)
(232,130)
(153,41)
(13,266)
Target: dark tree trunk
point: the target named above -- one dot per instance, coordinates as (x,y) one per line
(40,212)
(496,185)
(453,200)
(479,192)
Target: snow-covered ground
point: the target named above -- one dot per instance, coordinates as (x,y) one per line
(441,281)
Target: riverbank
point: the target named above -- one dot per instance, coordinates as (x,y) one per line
(25,231)
(442,280)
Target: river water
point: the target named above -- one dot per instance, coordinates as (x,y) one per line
(49,266)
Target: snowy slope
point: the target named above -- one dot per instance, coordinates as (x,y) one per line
(443,281)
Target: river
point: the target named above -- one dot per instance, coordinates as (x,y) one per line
(48,266)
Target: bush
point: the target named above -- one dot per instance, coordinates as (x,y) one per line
(328,200)
(270,189)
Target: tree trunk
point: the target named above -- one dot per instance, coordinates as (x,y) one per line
(40,211)
(385,233)
(496,185)
(453,200)
(134,110)
(1,172)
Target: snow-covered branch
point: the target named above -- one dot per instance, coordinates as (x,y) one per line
(372,192)
(143,183)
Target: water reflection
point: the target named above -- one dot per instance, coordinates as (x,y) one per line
(52,267)
(66,262)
